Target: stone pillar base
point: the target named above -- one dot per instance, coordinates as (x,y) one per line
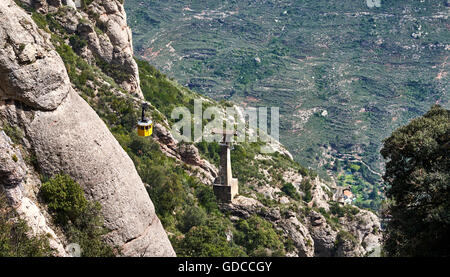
(225,194)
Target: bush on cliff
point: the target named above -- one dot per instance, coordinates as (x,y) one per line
(79,218)
(15,240)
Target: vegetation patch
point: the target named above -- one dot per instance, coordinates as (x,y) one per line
(13,132)
(259,237)
(80,219)
(290,190)
(15,240)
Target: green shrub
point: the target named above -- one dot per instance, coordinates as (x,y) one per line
(337,210)
(77,43)
(85,3)
(64,197)
(87,230)
(350,210)
(193,216)
(324,213)
(340,211)
(209,240)
(206,198)
(23,5)
(40,20)
(79,218)
(13,132)
(161,92)
(355,167)
(256,234)
(113,70)
(306,186)
(210,150)
(290,190)
(166,191)
(344,236)
(303,171)
(165,178)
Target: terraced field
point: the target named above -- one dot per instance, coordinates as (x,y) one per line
(344,73)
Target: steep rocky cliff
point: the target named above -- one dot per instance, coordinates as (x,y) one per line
(103,26)
(64,134)
(69,87)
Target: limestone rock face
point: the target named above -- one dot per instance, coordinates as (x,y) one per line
(115,46)
(190,155)
(244,207)
(300,236)
(311,233)
(12,168)
(360,235)
(319,195)
(186,153)
(323,235)
(30,70)
(66,135)
(12,175)
(366,227)
(29,211)
(103,24)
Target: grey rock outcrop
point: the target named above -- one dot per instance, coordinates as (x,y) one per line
(323,235)
(366,228)
(114,46)
(12,169)
(103,25)
(12,176)
(299,234)
(312,233)
(359,235)
(73,139)
(245,207)
(319,195)
(44,6)
(30,70)
(190,155)
(186,153)
(66,135)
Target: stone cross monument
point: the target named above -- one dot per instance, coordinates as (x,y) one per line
(225,186)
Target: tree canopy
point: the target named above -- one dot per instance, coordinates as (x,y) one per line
(418,178)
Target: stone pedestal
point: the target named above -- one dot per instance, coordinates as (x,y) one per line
(225,193)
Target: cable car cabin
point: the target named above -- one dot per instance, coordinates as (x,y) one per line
(145,125)
(145,128)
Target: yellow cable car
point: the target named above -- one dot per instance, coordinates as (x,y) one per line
(145,125)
